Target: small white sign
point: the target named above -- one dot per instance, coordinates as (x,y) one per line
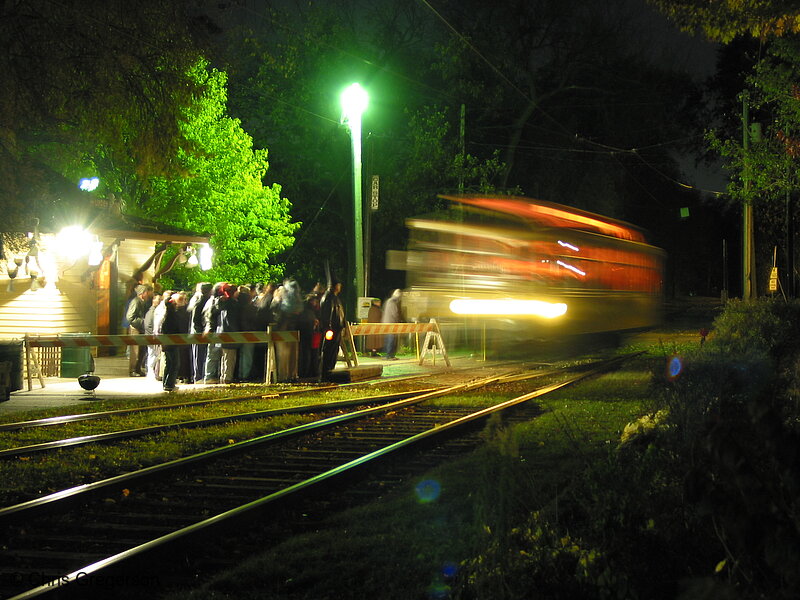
(373,203)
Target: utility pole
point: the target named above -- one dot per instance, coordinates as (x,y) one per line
(789,279)
(461,134)
(749,290)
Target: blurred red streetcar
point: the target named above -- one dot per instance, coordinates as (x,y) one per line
(510,261)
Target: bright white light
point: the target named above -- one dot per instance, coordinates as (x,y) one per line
(507,306)
(568,245)
(89,184)
(354,102)
(571,268)
(205,256)
(95,253)
(73,242)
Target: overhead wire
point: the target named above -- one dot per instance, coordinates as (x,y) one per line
(606,147)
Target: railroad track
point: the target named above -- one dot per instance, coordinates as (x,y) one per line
(92,537)
(117,435)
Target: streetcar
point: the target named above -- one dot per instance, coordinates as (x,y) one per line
(532,266)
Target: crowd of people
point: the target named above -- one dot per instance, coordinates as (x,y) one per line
(318,316)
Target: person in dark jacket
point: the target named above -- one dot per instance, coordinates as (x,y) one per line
(210,322)
(229,322)
(170,323)
(308,325)
(331,324)
(263,304)
(248,317)
(195,311)
(137,309)
(185,350)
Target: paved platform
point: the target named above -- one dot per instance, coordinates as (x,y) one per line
(115,384)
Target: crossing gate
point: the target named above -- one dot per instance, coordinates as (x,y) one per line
(268,337)
(433,338)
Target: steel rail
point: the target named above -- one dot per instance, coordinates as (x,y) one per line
(153,429)
(227,515)
(48,421)
(111,436)
(183,462)
(107,414)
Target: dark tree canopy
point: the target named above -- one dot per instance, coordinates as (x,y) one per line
(88,72)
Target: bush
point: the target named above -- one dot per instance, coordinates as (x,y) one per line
(702,502)
(769,327)
(732,430)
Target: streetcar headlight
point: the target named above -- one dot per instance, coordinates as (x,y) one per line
(507,306)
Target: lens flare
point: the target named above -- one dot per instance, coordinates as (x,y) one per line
(428,490)
(674,367)
(439,591)
(449,569)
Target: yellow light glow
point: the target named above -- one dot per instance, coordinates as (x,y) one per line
(73,242)
(508,306)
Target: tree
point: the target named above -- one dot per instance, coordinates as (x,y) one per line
(555,98)
(766,173)
(723,20)
(222,193)
(84,73)
(287,77)
(566,92)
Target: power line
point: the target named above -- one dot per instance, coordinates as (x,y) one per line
(613,150)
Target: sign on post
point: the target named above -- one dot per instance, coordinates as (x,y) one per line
(373,200)
(773,280)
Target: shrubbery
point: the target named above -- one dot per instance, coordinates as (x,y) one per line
(702,501)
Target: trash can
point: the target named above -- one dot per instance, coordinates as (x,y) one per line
(11,351)
(75,360)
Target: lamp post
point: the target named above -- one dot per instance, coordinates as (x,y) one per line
(354,102)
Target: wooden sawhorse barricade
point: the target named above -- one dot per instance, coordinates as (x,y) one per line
(433,338)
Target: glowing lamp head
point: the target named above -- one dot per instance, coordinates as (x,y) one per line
(354,102)
(329,335)
(89,184)
(74,242)
(205,253)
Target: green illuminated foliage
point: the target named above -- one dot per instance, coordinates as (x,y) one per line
(723,20)
(768,170)
(223,193)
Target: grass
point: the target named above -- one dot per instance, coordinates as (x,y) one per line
(407,546)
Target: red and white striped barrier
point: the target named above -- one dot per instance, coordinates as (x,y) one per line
(391,328)
(176,339)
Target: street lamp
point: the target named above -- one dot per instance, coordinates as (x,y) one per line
(354,103)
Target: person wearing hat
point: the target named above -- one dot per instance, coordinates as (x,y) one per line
(137,308)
